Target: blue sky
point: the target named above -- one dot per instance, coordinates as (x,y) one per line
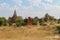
(30,8)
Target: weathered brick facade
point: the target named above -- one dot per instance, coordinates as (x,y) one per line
(13,18)
(29,21)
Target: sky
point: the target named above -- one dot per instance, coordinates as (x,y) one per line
(32,8)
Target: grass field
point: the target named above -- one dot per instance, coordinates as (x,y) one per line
(25,33)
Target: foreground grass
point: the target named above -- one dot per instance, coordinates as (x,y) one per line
(24,33)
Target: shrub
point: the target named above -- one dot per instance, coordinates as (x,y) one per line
(34,23)
(9,21)
(35,20)
(20,22)
(2,21)
(58,29)
(41,21)
(58,21)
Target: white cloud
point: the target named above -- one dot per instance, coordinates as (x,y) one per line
(35,2)
(50,1)
(18,2)
(53,10)
(5,10)
(4,5)
(28,10)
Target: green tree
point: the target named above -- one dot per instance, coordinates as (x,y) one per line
(58,20)
(35,20)
(48,17)
(5,21)
(58,29)
(41,21)
(2,21)
(9,21)
(20,22)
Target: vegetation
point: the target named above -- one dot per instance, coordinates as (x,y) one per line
(30,31)
(35,20)
(58,21)
(19,21)
(9,21)
(58,29)
(41,21)
(3,21)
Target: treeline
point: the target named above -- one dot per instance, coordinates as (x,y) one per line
(19,21)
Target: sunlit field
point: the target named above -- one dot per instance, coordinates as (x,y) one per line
(29,32)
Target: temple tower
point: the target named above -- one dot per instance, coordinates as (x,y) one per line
(14,17)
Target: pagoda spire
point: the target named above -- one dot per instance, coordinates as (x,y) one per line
(14,17)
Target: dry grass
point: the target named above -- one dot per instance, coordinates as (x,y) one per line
(24,33)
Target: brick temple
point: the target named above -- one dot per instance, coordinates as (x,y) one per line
(28,21)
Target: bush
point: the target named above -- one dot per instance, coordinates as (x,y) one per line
(2,21)
(34,23)
(10,23)
(20,22)
(35,20)
(58,21)
(5,24)
(58,29)
(41,21)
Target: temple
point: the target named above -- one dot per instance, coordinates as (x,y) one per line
(14,17)
(28,21)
